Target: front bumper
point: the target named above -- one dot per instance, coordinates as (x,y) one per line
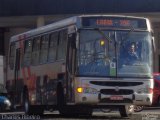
(143,99)
(100,99)
(102,91)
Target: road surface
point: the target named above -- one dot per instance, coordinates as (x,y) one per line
(152,113)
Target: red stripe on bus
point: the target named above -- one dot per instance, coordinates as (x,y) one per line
(21,50)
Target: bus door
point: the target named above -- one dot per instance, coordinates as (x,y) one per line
(16,76)
(71,55)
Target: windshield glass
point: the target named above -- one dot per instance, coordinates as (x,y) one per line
(134,54)
(106,53)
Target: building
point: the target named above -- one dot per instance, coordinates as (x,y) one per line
(18,16)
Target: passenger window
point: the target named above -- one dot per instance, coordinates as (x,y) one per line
(52,46)
(35,51)
(44,48)
(62,44)
(27,52)
(12,56)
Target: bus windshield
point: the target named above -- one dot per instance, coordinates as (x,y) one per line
(119,54)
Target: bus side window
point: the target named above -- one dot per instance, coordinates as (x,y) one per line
(35,50)
(12,56)
(44,49)
(27,52)
(62,44)
(52,46)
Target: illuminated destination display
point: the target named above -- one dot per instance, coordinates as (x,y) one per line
(108,22)
(114,22)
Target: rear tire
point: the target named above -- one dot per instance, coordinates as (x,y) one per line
(126,110)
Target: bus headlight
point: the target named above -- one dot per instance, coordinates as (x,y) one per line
(145,90)
(79,89)
(90,90)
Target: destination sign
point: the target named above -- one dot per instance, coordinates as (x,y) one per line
(114,22)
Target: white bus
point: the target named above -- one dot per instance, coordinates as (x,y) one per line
(82,63)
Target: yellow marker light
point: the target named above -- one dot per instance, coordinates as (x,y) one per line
(102,42)
(79,90)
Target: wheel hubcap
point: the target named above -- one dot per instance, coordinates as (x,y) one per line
(131,108)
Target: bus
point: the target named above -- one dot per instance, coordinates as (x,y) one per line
(80,63)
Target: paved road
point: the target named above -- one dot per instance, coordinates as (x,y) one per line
(148,114)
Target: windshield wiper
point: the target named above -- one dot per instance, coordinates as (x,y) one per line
(103,34)
(106,57)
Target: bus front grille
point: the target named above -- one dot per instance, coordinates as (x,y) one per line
(116,92)
(115,83)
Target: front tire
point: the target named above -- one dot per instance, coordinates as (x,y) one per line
(138,108)
(66,110)
(126,110)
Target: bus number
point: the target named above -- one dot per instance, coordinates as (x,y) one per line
(124,23)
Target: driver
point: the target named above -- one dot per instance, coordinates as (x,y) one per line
(132,54)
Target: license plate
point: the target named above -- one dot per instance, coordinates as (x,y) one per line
(116,98)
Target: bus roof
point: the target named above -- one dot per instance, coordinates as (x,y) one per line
(60,24)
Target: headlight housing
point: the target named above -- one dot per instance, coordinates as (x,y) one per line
(145,89)
(90,90)
(87,90)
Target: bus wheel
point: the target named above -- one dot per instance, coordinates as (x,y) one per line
(138,108)
(126,110)
(69,110)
